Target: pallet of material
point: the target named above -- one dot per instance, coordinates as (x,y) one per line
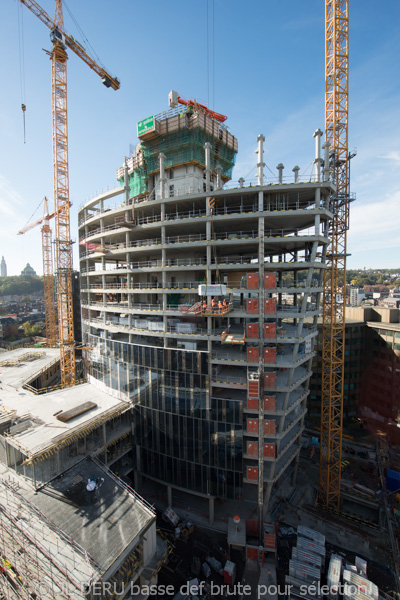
(311,534)
(68,415)
(307,557)
(303,571)
(309,546)
(298,589)
(362,583)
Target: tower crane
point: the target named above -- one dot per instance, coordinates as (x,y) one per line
(63,243)
(48,274)
(333,305)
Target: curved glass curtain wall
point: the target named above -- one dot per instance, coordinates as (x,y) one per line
(185,439)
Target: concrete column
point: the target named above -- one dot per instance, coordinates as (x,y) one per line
(317,205)
(241,182)
(163,179)
(326,170)
(218,169)
(261,163)
(280,168)
(207,148)
(169,495)
(296,170)
(211,510)
(317,161)
(126,182)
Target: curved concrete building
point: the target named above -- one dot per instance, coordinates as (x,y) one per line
(200,304)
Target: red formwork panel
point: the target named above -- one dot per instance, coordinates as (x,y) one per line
(252,306)
(252,425)
(269,403)
(269,280)
(269,306)
(252,355)
(269,450)
(269,427)
(252,448)
(269,330)
(251,553)
(254,388)
(252,330)
(269,355)
(269,380)
(252,473)
(252,281)
(252,403)
(270,541)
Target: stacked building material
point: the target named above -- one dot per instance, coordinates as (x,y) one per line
(308,560)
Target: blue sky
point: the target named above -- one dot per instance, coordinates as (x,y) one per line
(265,71)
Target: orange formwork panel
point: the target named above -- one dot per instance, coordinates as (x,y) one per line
(252,281)
(252,473)
(252,403)
(269,306)
(269,330)
(270,541)
(269,355)
(252,306)
(252,448)
(252,425)
(269,450)
(254,388)
(269,280)
(252,330)
(269,380)
(251,553)
(269,403)
(269,427)
(252,355)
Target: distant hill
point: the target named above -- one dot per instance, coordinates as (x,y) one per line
(21,285)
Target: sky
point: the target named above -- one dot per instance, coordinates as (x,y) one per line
(260,62)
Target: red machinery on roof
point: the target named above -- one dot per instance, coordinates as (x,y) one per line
(175,99)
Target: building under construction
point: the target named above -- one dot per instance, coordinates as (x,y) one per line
(200,304)
(69,526)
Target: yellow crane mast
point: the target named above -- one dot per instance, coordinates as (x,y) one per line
(48,274)
(48,280)
(63,242)
(334,298)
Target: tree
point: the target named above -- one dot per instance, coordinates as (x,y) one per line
(31,330)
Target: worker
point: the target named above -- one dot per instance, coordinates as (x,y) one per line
(220,306)
(212,302)
(224,304)
(204,304)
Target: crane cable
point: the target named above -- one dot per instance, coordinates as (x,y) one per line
(84,38)
(21,62)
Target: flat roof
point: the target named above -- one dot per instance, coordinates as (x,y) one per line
(44,430)
(104,522)
(37,425)
(14,376)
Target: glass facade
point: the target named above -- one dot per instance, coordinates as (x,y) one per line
(183,437)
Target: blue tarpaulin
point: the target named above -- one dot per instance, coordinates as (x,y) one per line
(392,480)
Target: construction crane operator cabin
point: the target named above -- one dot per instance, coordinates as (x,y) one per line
(200,305)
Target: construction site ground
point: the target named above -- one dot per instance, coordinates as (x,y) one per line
(354,534)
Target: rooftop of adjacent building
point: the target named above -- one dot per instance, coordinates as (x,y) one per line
(82,531)
(36,426)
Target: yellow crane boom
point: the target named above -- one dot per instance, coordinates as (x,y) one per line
(63,242)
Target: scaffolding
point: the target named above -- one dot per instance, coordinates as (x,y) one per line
(37,558)
(180,135)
